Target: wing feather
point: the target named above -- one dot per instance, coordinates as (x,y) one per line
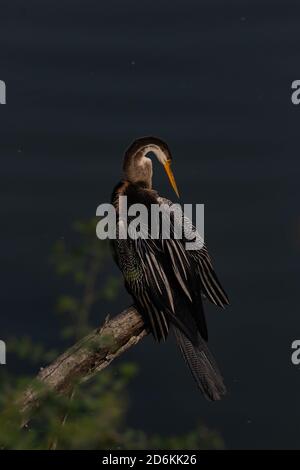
(156,269)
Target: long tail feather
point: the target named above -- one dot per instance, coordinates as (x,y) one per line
(202,366)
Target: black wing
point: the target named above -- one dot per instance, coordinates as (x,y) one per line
(199,259)
(159,272)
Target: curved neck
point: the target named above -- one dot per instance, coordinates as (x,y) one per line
(137,166)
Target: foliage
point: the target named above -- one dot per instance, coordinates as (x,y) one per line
(94,417)
(84,262)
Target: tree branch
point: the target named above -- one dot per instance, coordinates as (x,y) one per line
(87,357)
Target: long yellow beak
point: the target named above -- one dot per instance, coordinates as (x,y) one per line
(167,167)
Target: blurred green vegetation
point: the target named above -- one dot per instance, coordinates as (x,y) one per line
(95,416)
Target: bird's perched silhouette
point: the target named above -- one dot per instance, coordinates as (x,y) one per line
(167,281)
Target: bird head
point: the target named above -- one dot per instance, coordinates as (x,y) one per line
(138,166)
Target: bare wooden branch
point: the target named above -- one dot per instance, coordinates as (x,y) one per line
(87,357)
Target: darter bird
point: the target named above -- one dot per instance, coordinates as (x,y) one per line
(166,281)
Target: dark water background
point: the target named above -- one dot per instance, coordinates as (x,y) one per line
(213,78)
